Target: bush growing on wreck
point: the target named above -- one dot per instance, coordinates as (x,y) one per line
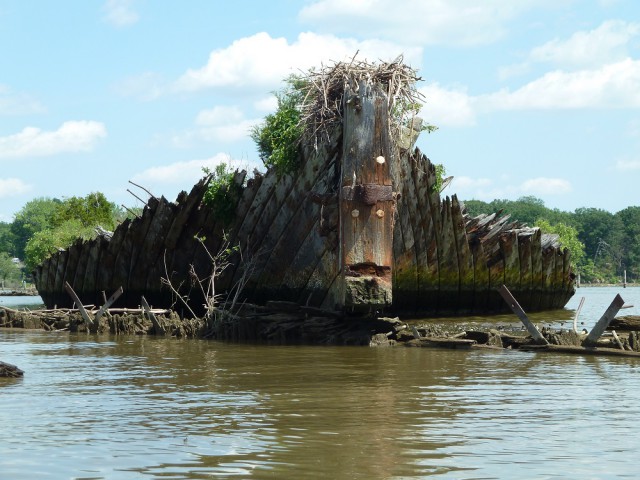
(222,192)
(278,137)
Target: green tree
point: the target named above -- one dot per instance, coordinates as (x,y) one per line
(630,221)
(568,237)
(66,220)
(278,137)
(222,194)
(35,216)
(10,272)
(602,234)
(92,210)
(6,239)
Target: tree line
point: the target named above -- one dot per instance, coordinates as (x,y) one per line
(45,225)
(603,244)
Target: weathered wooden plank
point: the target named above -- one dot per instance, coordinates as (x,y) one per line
(537,281)
(106,274)
(366,230)
(465,259)
(185,209)
(405,270)
(548,264)
(481,280)
(435,231)
(604,321)
(153,256)
(110,301)
(517,309)
(85,315)
(420,216)
(431,278)
(293,221)
(89,291)
(448,264)
(83,257)
(509,247)
(526,269)
(58,284)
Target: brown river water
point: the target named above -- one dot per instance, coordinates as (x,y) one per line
(94,407)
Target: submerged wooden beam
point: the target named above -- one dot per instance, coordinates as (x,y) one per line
(517,309)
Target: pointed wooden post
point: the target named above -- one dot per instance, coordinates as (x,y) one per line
(602,324)
(367,201)
(517,309)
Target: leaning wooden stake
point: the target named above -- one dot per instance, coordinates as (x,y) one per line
(108,303)
(602,324)
(517,309)
(81,308)
(159,329)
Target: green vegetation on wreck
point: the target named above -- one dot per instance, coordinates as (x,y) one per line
(310,108)
(223,193)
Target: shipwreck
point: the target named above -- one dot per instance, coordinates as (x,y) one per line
(358,226)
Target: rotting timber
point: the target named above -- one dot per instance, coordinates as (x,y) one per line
(359,227)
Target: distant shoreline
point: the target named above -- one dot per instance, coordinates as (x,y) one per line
(29,292)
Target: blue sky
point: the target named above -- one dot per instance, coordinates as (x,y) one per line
(531,97)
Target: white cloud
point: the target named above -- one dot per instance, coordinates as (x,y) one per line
(11,187)
(220,124)
(72,136)
(485,189)
(628,165)
(447,107)
(616,85)
(545,186)
(120,13)
(268,104)
(606,44)
(469,182)
(260,62)
(425,22)
(185,173)
(12,103)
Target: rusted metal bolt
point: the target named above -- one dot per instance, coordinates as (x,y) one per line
(355,212)
(380,213)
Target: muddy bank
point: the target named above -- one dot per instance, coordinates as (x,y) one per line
(284,323)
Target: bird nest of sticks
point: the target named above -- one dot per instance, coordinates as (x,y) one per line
(322,108)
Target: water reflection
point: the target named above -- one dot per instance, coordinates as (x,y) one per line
(141,407)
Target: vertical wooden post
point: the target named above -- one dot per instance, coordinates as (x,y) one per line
(367,201)
(602,324)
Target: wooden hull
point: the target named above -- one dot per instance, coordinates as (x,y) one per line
(360,226)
